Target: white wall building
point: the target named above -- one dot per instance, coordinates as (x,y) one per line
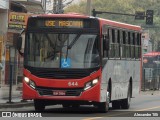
(4,6)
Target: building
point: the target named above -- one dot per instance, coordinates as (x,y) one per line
(13,19)
(17,20)
(4,6)
(29,6)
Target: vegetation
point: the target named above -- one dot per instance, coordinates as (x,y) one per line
(128,7)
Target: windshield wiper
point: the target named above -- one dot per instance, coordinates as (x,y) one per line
(71,44)
(73,41)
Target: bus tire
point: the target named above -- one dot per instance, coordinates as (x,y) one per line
(103,107)
(125,103)
(75,106)
(39,105)
(116,104)
(66,105)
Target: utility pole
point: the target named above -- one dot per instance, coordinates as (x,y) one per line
(88,8)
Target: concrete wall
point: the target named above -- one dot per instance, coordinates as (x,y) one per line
(4,6)
(3,20)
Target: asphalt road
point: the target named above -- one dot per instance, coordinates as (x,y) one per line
(147,105)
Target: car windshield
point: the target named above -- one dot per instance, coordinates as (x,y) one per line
(61,50)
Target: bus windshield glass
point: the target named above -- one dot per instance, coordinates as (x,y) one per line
(53,50)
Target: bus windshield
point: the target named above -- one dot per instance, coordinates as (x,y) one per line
(52,50)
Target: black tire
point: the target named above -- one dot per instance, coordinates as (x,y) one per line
(116,104)
(66,105)
(39,105)
(125,103)
(75,106)
(103,107)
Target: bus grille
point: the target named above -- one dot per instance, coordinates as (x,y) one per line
(61,73)
(68,92)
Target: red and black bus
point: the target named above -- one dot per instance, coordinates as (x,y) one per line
(75,60)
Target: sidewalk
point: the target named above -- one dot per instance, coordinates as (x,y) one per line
(16,104)
(4,94)
(16,100)
(150,92)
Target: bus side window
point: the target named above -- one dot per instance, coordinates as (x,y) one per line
(109,38)
(112,43)
(136,45)
(133,45)
(123,44)
(105,36)
(129,45)
(118,43)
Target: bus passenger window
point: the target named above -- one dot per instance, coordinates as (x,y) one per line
(117,45)
(123,44)
(112,41)
(136,45)
(127,46)
(133,45)
(105,38)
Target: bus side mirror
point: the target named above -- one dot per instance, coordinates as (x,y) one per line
(106,43)
(19,43)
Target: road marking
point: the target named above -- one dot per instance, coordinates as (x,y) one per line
(93,118)
(148,108)
(112,115)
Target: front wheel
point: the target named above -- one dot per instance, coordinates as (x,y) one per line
(39,105)
(66,105)
(103,107)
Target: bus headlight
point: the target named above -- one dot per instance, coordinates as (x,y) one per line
(26,79)
(30,82)
(91,84)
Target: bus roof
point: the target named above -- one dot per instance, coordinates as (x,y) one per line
(151,54)
(70,15)
(102,21)
(120,24)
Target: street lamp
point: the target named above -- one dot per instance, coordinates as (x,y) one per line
(11,63)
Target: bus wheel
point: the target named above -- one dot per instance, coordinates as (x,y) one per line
(75,106)
(39,105)
(66,105)
(116,104)
(104,106)
(125,103)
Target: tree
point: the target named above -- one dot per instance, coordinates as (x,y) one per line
(125,6)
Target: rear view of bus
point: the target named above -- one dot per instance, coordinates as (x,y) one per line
(62,63)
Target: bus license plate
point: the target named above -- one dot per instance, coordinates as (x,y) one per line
(59,93)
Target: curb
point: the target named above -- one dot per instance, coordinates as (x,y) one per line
(16,104)
(147,92)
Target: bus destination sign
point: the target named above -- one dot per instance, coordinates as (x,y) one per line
(64,23)
(50,23)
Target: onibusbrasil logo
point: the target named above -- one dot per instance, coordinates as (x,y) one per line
(20,114)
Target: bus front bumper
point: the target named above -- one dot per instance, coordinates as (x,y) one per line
(92,94)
